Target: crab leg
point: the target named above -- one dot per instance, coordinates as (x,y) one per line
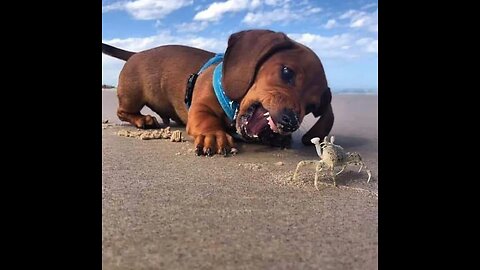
(333,177)
(343,168)
(318,169)
(301,164)
(361,166)
(319,149)
(368,171)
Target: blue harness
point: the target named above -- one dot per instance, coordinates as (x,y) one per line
(229,106)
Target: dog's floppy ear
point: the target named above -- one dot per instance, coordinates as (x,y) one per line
(246,50)
(325,101)
(324,124)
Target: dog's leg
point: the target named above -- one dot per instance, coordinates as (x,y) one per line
(321,128)
(209,134)
(139,120)
(129,112)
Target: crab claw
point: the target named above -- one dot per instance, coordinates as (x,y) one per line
(315,140)
(318,147)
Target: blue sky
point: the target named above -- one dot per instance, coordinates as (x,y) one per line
(344,34)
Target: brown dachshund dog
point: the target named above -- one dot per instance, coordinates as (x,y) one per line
(274,80)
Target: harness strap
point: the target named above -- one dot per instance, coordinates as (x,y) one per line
(193,78)
(229,107)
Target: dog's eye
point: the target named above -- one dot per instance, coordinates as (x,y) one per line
(287,75)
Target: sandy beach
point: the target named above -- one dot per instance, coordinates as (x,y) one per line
(165,208)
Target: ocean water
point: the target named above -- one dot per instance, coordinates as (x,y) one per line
(358,91)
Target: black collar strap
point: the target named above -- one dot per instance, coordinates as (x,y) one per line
(193,78)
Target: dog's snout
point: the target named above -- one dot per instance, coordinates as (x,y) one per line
(289,120)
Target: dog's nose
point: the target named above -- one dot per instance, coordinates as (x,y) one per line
(289,121)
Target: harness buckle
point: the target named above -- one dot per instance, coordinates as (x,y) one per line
(189,90)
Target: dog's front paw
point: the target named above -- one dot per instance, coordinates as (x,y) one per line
(210,144)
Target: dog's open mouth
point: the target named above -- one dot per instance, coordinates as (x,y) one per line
(256,121)
(257,125)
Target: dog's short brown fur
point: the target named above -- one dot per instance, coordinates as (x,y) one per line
(251,75)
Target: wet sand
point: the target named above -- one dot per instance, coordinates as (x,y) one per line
(165,208)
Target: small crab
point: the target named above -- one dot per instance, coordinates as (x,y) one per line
(331,156)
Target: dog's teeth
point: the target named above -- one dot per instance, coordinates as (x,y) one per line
(266,114)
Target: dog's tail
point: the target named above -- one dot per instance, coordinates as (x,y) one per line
(116,52)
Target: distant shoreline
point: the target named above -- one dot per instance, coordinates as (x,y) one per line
(355,93)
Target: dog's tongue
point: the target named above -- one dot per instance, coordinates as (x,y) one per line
(257,121)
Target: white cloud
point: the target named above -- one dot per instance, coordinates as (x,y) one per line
(348,14)
(284,15)
(255,3)
(277,2)
(362,19)
(191,27)
(342,46)
(367,6)
(327,46)
(148,9)
(215,11)
(269,17)
(313,10)
(271,2)
(373,46)
(330,24)
(363,41)
(111,69)
(113,6)
(369,45)
(164,38)
(359,22)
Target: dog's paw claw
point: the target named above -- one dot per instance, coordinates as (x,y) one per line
(199,150)
(211,144)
